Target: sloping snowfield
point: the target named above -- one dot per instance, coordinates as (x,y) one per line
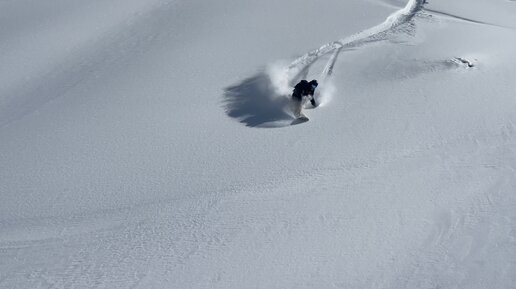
(149,144)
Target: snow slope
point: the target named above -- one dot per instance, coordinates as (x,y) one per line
(147,144)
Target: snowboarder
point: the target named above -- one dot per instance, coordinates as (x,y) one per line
(302,91)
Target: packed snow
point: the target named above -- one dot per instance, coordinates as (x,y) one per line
(149,144)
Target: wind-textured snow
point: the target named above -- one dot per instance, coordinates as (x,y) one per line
(147,144)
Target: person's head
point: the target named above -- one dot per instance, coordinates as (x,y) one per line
(313,83)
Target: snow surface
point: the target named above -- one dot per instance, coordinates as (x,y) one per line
(147,144)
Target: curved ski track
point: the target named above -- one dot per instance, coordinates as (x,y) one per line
(373,34)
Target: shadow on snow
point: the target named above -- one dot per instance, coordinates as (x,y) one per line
(255,103)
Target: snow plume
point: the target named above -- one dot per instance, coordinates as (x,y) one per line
(326,92)
(278,75)
(282,83)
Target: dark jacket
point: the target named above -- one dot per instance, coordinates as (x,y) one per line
(304,88)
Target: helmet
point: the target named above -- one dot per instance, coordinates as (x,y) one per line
(314,83)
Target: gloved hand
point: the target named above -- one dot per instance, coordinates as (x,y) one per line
(312,101)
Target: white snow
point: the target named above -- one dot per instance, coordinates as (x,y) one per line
(147,144)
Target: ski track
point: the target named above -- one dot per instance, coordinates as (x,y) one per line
(373,34)
(300,67)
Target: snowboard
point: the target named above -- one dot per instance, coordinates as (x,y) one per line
(299,120)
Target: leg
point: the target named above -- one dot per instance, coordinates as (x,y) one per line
(297,105)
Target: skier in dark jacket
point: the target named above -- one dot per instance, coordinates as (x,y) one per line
(302,91)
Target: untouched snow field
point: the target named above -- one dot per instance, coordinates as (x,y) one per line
(148,144)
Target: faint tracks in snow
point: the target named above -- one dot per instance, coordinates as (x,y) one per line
(464,19)
(115,249)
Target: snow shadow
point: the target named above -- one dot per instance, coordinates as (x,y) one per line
(256,103)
